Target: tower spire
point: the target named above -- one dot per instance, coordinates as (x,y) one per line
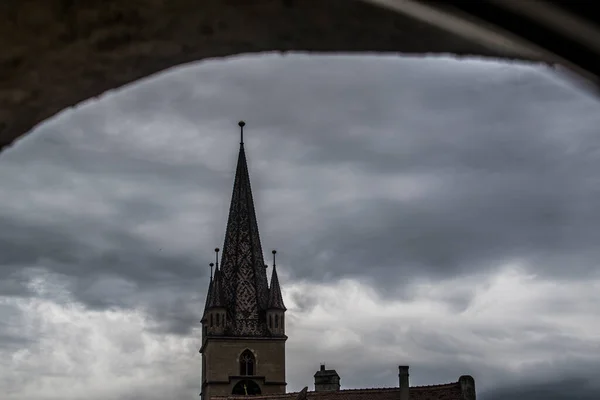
(243,275)
(240,307)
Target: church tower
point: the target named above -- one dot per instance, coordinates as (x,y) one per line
(243,326)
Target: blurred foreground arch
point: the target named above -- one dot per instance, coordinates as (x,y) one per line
(58,53)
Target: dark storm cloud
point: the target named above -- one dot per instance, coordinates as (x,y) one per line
(124,272)
(512,154)
(515,152)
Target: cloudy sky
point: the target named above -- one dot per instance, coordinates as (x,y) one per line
(438,213)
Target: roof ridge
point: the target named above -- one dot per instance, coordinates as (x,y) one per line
(345,391)
(371,389)
(439,385)
(277,396)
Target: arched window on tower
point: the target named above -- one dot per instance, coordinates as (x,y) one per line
(247,363)
(270,321)
(277,321)
(211,320)
(218,319)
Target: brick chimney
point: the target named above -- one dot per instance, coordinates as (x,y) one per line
(327,380)
(403,380)
(467,387)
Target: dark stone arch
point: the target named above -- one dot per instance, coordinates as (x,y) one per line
(56,53)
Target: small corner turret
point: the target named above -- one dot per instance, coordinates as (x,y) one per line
(215,314)
(275,307)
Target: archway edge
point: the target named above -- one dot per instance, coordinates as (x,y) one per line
(59,53)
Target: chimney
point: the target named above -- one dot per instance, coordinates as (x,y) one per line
(403,380)
(327,380)
(467,387)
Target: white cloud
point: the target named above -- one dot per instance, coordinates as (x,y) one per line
(113,353)
(78,353)
(510,323)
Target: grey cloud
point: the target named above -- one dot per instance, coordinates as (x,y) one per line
(125,198)
(117,276)
(507,184)
(567,389)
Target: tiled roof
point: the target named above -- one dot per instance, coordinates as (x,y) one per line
(448,391)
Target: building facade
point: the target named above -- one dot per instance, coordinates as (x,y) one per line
(243,325)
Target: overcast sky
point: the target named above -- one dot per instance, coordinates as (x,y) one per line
(438,213)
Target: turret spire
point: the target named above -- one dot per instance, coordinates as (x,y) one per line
(215,296)
(275,297)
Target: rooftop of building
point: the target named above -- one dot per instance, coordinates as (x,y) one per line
(446,391)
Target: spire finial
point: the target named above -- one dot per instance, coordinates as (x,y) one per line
(211,269)
(274,252)
(217,257)
(242,124)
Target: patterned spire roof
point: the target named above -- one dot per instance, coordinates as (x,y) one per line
(244,279)
(275,298)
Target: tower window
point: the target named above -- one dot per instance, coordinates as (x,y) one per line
(270,321)
(277,321)
(247,363)
(211,320)
(218,319)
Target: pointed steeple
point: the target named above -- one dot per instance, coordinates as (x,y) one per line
(209,292)
(244,279)
(275,297)
(213,290)
(216,298)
